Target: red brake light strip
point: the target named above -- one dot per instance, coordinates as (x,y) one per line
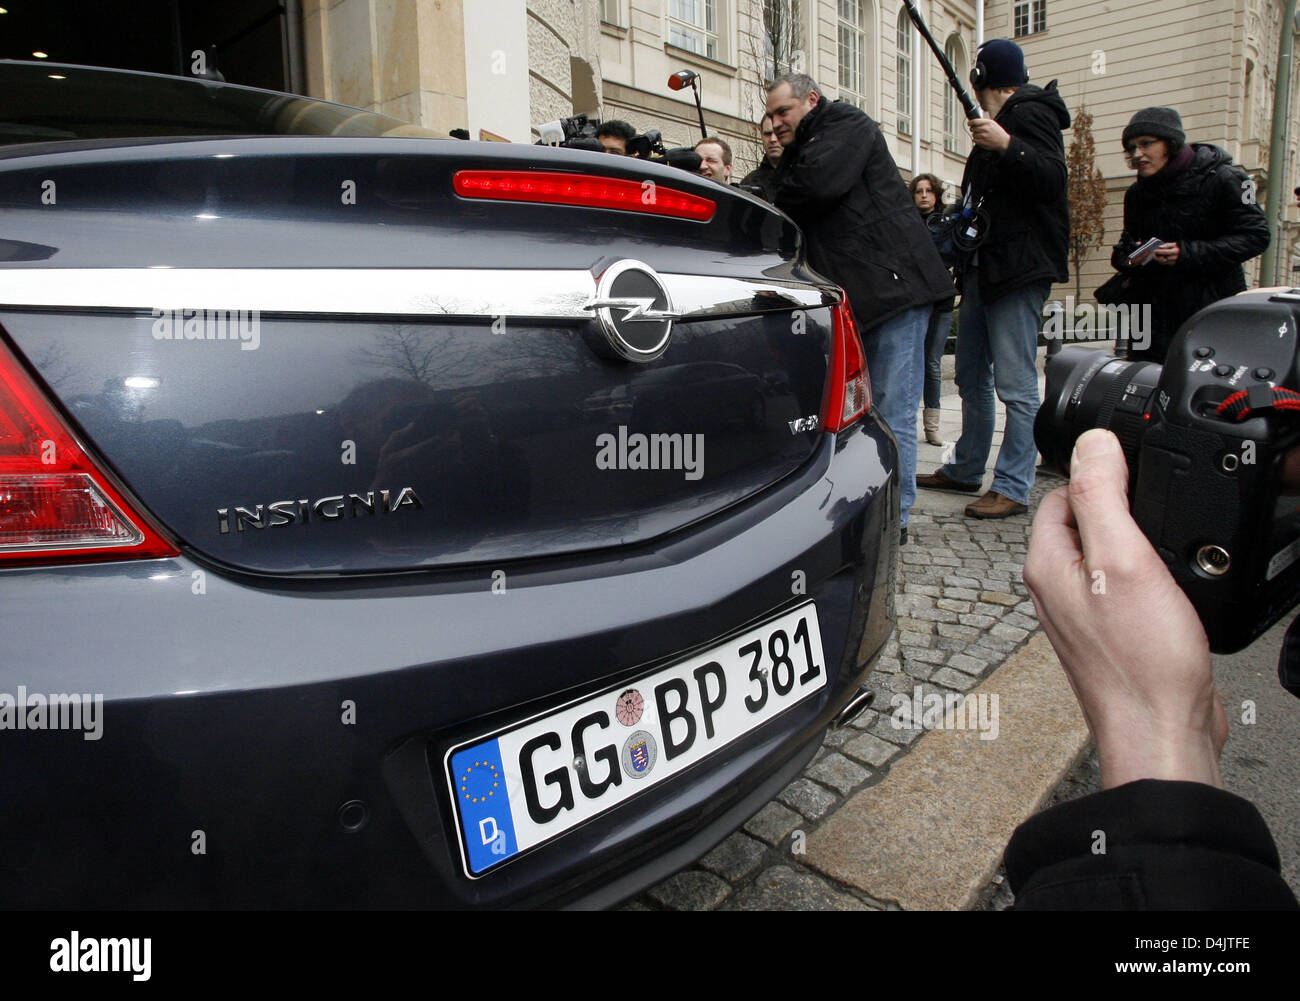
(556,188)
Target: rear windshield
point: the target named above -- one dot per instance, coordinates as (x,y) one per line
(48,102)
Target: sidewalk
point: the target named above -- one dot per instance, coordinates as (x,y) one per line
(890,817)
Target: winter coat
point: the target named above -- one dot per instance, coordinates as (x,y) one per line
(763,176)
(839,183)
(1169,846)
(1024,191)
(934,223)
(1209,210)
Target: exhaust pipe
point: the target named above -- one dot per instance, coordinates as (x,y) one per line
(854,709)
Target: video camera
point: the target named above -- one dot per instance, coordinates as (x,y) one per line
(576,132)
(579,132)
(1206,436)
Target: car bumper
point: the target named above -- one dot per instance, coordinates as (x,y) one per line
(280,744)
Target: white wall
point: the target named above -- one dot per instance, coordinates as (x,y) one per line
(496,68)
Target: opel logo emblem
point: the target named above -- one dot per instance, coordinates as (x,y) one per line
(634,310)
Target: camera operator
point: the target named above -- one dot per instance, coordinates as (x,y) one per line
(715,159)
(1018,172)
(1174,837)
(837,180)
(763,176)
(614,135)
(1201,206)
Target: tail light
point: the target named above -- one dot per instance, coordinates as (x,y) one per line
(555,188)
(848,386)
(56,505)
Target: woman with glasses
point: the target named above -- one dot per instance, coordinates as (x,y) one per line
(1190,221)
(927,194)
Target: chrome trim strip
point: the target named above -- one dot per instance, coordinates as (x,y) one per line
(441,292)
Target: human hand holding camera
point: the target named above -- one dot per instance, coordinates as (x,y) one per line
(1130,642)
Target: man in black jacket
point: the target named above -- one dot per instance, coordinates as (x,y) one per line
(764,175)
(837,180)
(1017,175)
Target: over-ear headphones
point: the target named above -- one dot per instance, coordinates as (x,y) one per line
(1009,65)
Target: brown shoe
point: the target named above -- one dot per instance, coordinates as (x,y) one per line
(939,480)
(994,505)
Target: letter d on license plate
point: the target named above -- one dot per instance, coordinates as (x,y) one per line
(521,786)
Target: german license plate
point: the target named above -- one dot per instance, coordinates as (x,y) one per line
(522,786)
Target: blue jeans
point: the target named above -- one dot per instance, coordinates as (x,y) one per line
(895,361)
(936,339)
(997,349)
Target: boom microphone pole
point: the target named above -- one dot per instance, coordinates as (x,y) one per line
(969,226)
(972,109)
(683,78)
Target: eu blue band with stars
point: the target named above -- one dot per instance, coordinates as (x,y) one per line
(480,787)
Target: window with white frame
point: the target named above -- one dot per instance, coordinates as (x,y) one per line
(954,136)
(609,11)
(853,27)
(905,67)
(693,25)
(1030,16)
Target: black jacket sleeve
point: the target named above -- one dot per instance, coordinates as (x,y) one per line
(1245,234)
(1034,161)
(1128,241)
(1119,255)
(1148,845)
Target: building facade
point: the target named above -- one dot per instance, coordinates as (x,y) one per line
(500,68)
(495,67)
(862,51)
(1212,60)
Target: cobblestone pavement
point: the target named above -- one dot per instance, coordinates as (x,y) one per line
(962,609)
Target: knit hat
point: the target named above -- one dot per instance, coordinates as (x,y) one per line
(1159,123)
(999,63)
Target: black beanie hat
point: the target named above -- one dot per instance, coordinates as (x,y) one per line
(1159,123)
(1004,65)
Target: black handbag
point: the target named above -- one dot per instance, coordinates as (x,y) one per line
(1120,289)
(941,226)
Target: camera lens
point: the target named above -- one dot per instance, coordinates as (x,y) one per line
(1087,389)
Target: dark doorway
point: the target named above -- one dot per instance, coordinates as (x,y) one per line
(250,39)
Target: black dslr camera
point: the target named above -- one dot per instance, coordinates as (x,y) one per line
(1205,436)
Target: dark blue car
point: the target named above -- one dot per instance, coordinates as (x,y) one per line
(393,521)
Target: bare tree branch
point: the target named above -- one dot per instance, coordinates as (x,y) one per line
(1087,194)
(774,46)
